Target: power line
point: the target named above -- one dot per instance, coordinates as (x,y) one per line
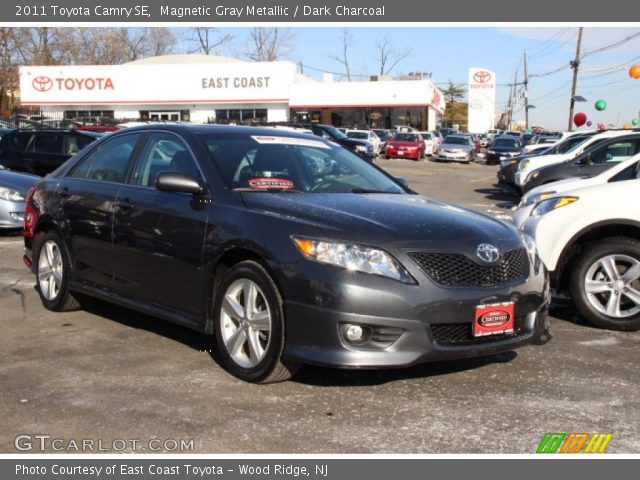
(557,47)
(548,41)
(610,46)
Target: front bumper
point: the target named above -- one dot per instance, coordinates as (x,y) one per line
(404,153)
(11,215)
(413,317)
(452,157)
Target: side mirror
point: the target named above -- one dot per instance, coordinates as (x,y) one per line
(178,182)
(402,181)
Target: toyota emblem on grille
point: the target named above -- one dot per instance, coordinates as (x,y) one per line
(488,253)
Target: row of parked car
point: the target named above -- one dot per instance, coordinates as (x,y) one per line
(581,203)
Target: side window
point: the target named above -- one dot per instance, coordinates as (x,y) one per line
(20,141)
(163,152)
(48,143)
(75,143)
(110,162)
(613,153)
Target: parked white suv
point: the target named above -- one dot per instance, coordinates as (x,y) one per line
(530,164)
(622,171)
(589,240)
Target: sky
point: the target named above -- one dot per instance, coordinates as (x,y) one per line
(448,52)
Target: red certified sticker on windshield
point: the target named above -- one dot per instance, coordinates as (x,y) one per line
(267,183)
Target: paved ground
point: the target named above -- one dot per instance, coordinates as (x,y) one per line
(109,373)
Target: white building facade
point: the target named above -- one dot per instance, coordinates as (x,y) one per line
(205,89)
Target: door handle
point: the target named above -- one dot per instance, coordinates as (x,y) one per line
(124,205)
(64,192)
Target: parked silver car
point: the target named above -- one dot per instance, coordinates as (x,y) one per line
(13,192)
(457,148)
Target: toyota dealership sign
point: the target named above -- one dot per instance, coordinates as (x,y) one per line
(482,100)
(241,82)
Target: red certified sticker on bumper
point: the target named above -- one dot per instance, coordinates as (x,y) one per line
(494,319)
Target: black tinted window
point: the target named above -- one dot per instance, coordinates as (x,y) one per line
(75,143)
(48,144)
(110,162)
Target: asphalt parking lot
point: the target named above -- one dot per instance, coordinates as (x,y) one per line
(110,373)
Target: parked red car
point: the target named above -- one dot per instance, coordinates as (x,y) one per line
(406,145)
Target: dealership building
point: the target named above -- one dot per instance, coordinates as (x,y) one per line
(210,89)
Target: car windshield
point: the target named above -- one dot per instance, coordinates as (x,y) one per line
(406,137)
(507,143)
(335,133)
(456,140)
(575,145)
(292,164)
(359,135)
(382,134)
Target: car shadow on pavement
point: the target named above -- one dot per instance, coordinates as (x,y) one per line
(563,309)
(131,318)
(308,375)
(331,377)
(503,198)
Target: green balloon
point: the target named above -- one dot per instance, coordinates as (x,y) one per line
(634,122)
(601,105)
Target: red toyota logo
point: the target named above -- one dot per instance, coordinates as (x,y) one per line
(481,76)
(42,83)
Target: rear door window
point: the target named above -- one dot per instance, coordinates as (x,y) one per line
(48,143)
(110,162)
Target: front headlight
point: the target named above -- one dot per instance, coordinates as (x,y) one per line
(10,195)
(492,152)
(361,148)
(524,164)
(550,204)
(353,257)
(535,198)
(532,176)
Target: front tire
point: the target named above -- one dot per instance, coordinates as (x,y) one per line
(52,274)
(249,325)
(605,283)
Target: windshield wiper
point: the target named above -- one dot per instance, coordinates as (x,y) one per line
(367,190)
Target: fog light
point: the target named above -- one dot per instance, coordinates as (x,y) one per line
(353,333)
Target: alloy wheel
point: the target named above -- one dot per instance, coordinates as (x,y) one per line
(612,286)
(245,320)
(50,269)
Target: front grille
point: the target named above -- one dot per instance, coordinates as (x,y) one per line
(454,270)
(458,334)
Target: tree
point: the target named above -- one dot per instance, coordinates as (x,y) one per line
(343,57)
(453,106)
(388,57)
(208,40)
(268,44)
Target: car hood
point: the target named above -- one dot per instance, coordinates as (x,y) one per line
(386,218)
(455,146)
(505,149)
(352,142)
(20,182)
(395,143)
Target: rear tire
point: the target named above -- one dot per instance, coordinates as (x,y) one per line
(605,283)
(52,274)
(249,325)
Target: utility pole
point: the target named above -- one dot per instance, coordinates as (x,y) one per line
(512,98)
(526,93)
(575,64)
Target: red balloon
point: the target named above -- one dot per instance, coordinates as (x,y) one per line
(602,127)
(579,119)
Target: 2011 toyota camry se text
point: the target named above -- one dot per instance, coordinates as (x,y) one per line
(286,247)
